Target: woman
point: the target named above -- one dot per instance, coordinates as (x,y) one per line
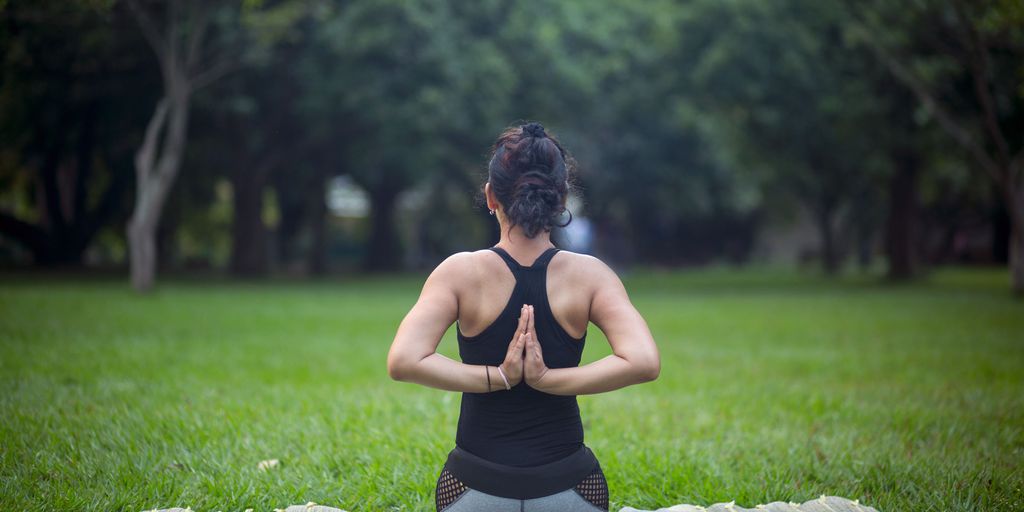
(522,308)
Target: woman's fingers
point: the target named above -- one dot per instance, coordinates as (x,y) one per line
(521,328)
(534,367)
(532,347)
(512,346)
(530,317)
(518,341)
(524,316)
(524,337)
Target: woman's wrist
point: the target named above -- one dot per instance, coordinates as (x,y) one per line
(495,380)
(539,382)
(498,379)
(504,378)
(512,380)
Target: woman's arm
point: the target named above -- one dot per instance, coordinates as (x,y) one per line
(413,356)
(634,357)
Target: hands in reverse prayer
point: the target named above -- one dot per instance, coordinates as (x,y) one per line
(524,359)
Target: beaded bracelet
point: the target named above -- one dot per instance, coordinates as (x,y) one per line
(502,373)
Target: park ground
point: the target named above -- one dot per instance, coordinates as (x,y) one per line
(774,386)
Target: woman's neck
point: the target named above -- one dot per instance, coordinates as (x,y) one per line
(515,242)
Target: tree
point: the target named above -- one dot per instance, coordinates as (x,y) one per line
(388,97)
(179,40)
(268,139)
(68,117)
(976,44)
(787,95)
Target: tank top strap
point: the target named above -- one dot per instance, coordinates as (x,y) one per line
(515,266)
(545,257)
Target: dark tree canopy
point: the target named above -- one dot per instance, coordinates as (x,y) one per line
(354,135)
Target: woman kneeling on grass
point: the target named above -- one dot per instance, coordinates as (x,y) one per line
(519,445)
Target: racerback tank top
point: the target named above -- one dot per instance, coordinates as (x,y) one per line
(522,427)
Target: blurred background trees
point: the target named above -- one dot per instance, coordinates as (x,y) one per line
(316,136)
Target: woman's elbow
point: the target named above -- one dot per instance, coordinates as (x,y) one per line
(398,368)
(649,368)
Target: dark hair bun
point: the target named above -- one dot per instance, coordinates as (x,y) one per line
(534,130)
(529,174)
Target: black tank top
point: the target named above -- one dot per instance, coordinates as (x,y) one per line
(522,427)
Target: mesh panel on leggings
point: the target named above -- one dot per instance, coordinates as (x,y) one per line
(448,489)
(594,489)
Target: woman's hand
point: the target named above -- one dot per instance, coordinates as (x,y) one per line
(513,364)
(534,368)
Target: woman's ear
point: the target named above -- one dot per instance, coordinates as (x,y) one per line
(492,203)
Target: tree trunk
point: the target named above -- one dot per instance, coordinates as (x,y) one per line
(1015,209)
(249,256)
(1017,265)
(1002,165)
(317,257)
(291,223)
(382,252)
(900,232)
(1001,232)
(68,246)
(166,241)
(142,252)
(865,248)
(829,251)
(156,167)
(179,54)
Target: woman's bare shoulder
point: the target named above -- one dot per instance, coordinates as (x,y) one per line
(466,269)
(584,270)
(581,264)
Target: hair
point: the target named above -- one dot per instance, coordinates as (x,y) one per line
(529,173)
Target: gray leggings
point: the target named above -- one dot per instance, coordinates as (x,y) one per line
(590,495)
(566,501)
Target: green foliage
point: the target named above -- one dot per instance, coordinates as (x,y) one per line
(790,94)
(695,124)
(74,96)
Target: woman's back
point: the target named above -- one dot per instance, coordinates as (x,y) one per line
(490,282)
(523,427)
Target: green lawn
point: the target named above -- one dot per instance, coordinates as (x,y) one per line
(774,386)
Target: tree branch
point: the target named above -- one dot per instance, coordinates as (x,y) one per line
(930,103)
(149,31)
(980,71)
(171,35)
(197,35)
(211,74)
(173,147)
(146,155)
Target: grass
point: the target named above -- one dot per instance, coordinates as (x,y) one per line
(774,386)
